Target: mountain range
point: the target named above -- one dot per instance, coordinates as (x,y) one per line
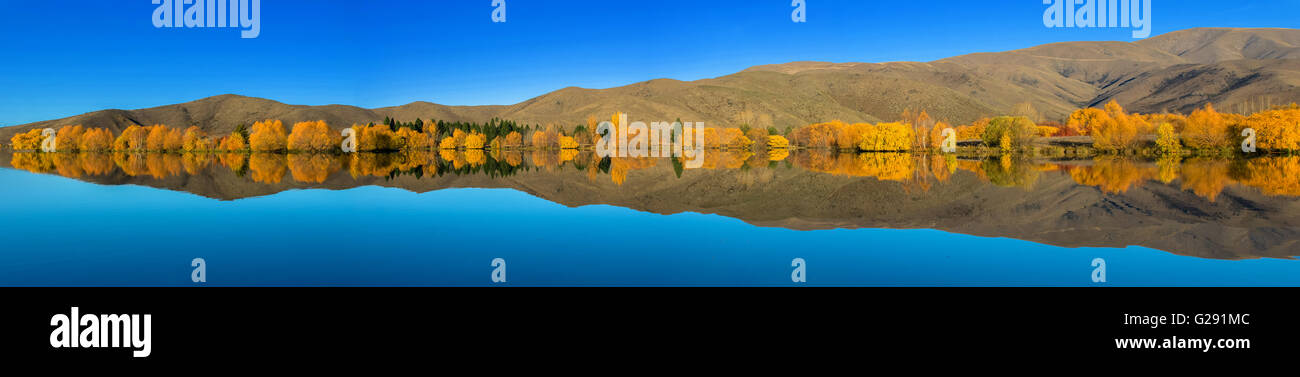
(1239,70)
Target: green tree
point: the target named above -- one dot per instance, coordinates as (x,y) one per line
(1019,131)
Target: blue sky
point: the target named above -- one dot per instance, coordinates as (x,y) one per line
(65,57)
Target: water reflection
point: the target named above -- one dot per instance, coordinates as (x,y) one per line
(1177,205)
(1205,177)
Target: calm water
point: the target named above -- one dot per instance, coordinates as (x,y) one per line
(557,221)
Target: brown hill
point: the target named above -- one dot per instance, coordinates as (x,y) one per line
(1237,69)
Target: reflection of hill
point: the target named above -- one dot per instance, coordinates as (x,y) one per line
(1198,208)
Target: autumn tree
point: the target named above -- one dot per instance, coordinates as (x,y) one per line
(755,135)
(1276,129)
(734,138)
(1082,120)
(409,139)
(268,136)
(1167,140)
(973,131)
(313,137)
(195,139)
(234,143)
(1009,132)
(97,140)
(475,141)
(133,138)
(567,142)
(936,135)
(174,140)
(447,143)
(777,142)
(921,124)
(376,138)
(515,140)
(30,140)
(69,138)
(458,138)
(887,137)
(156,139)
(1115,129)
(1206,129)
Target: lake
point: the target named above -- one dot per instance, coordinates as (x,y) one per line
(567,218)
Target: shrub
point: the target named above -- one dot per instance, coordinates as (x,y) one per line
(1009,132)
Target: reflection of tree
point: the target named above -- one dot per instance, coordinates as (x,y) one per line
(620,167)
(1008,171)
(778,154)
(234,161)
(372,164)
(313,168)
(884,166)
(942,166)
(33,162)
(196,162)
(568,154)
(514,158)
(1205,177)
(163,165)
(1167,168)
(96,163)
(1114,175)
(1274,176)
(268,167)
(68,165)
(545,159)
(133,164)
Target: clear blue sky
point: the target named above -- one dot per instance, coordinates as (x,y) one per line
(65,57)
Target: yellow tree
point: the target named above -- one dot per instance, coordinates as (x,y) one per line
(1083,120)
(97,140)
(174,140)
(1167,140)
(515,140)
(156,140)
(1206,129)
(410,139)
(777,142)
(312,137)
(30,140)
(69,138)
(131,139)
(233,143)
(194,140)
(268,136)
(475,141)
(567,142)
(448,143)
(1116,130)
